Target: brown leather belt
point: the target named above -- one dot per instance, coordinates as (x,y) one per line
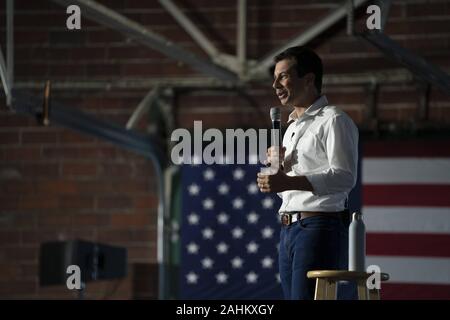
(289,218)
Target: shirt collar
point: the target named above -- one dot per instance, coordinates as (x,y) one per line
(312,110)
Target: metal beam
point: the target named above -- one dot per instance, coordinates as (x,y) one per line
(10,47)
(384,77)
(4,76)
(242,34)
(143,84)
(424,102)
(415,63)
(190,27)
(264,64)
(371,114)
(220,58)
(385,6)
(143,106)
(350,17)
(103,15)
(77,120)
(390,76)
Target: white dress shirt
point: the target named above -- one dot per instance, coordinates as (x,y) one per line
(321,145)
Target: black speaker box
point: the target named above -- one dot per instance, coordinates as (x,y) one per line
(96,261)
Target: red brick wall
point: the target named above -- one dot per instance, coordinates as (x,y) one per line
(58,184)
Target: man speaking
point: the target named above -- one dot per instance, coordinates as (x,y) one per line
(318,170)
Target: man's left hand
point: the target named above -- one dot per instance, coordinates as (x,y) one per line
(278,182)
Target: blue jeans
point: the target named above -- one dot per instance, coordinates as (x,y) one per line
(315,243)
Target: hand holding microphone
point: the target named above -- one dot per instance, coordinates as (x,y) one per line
(272,179)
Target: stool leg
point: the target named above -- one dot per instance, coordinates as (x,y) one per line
(321,288)
(331,290)
(374,294)
(362,290)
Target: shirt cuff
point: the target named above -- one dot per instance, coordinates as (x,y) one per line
(318,183)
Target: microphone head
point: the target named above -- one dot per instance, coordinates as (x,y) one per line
(275,114)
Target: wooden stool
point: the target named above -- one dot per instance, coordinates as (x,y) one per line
(326,280)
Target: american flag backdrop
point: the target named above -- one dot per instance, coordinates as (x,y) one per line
(230,231)
(406,209)
(229,235)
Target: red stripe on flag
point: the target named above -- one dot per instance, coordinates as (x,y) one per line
(407,291)
(408,244)
(407,195)
(410,148)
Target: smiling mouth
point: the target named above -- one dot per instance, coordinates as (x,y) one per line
(282,95)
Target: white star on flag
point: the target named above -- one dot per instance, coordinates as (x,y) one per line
(221,277)
(208,174)
(207,233)
(237,262)
(267,262)
(238,203)
(192,248)
(222,218)
(252,277)
(208,204)
(267,203)
(238,174)
(175,232)
(193,218)
(191,277)
(237,233)
(252,218)
(222,247)
(207,263)
(194,189)
(252,188)
(267,232)
(252,247)
(223,188)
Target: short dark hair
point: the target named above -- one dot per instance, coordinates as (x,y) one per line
(306,61)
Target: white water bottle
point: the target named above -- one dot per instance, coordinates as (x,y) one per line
(357,244)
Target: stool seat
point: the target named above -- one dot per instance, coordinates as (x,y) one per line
(342,275)
(326,280)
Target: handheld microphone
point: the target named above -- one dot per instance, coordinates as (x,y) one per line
(275,116)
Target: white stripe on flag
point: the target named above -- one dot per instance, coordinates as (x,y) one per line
(412,269)
(406,171)
(407,219)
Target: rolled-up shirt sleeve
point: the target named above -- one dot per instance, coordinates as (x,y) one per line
(341,144)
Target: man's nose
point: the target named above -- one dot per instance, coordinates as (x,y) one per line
(276,84)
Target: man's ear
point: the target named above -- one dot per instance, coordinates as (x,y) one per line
(310,78)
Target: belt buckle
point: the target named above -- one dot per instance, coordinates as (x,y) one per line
(286,219)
